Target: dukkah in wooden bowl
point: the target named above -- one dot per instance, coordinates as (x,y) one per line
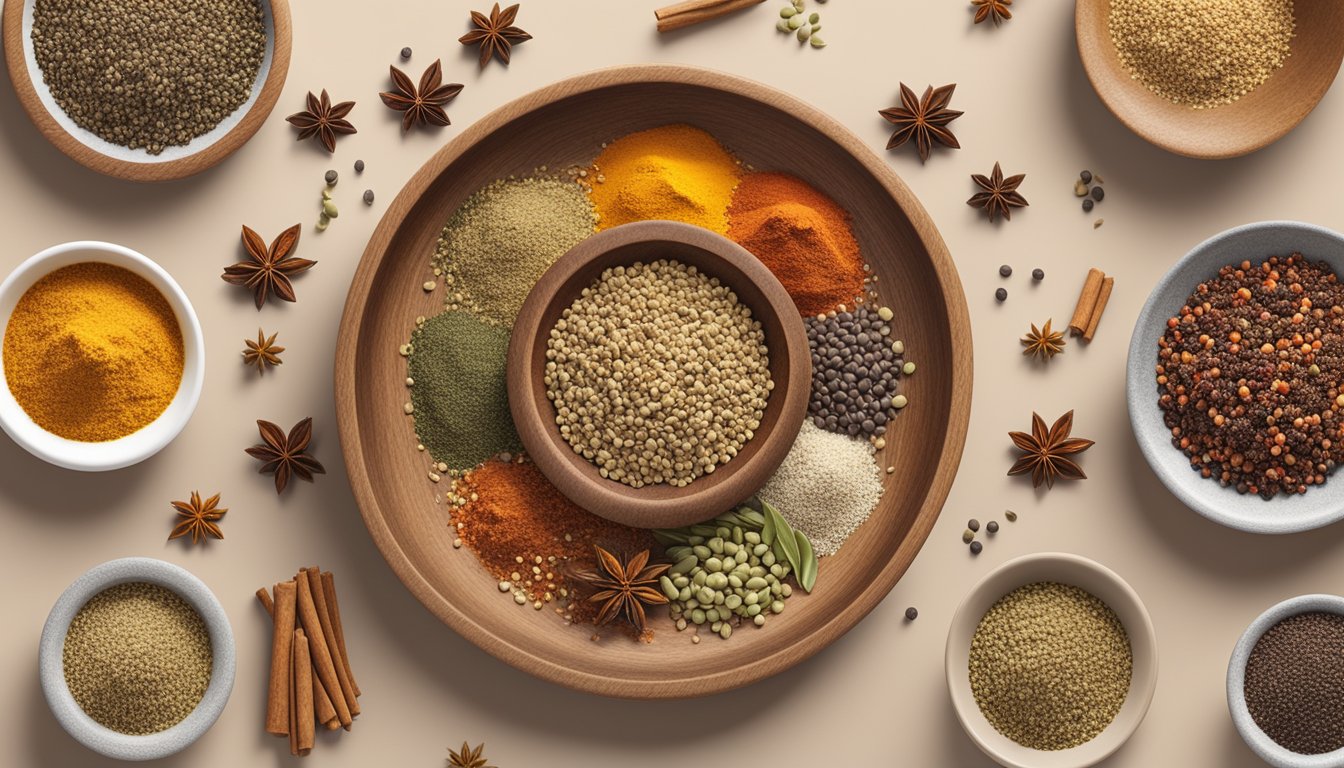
(566,123)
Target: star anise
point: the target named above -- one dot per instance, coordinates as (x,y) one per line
(624,589)
(495,34)
(999,196)
(468,757)
(996,10)
(422,105)
(1046,454)
(925,119)
(263,352)
(286,455)
(198,518)
(268,270)
(323,120)
(1043,343)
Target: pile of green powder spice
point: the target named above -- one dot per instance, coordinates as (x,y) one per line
(137,658)
(458,392)
(500,241)
(149,74)
(1050,666)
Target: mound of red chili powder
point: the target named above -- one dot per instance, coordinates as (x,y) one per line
(1248,376)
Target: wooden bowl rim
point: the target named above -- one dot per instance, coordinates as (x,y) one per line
(501,647)
(533,416)
(1153,131)
(11,30)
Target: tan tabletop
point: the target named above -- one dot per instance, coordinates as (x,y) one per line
(877,697)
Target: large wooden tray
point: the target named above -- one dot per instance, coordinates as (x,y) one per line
(566,123)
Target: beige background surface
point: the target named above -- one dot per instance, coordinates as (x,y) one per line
(877,697)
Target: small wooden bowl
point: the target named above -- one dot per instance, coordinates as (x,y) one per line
(659,506)
(121,162)
(1253,122)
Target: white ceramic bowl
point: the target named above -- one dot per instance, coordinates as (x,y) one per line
(1263,746)
(139,445)
(85,729)
(1065,569)
(1247,512)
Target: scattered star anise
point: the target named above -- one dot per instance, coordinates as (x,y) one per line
(422,105)
(495,34)
(925,119)
(1046,454)
(999,196)
(286,455)
(198,518)
(1043,343)
(996,10)
(468,757)
(268,270)
(263,352)
(323,120)
(624,589)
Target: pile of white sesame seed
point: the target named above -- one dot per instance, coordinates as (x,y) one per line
(1203,53)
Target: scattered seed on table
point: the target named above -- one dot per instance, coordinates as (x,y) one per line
(359,166)
(976,547)
(1097,224)
(967,536)
(368,197)
(1038,274)
(1080,189)
(992,527)
(1098,193)
(911,613)
(973,524)
(1001,294)
(1086,176)
(331,178)
(1087,205)
(1005,271)
(1011,515)
(405,53)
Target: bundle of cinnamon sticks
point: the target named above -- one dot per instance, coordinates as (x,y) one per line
(310,681)
(1091,304)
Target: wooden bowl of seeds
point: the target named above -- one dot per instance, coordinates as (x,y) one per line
(540,396)
(1240,77)
(78,70)
(563,125)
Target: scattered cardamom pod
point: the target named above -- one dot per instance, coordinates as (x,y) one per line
(788,12)
(804,33)
(817,42)
(795,22)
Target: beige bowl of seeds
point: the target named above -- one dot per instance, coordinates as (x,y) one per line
(1087,629)
(147,648)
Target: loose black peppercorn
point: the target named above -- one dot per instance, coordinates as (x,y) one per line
(1098,193)
(855,372)
(331,178)
(911,613)
(973,524)
(1086,176)
(992,527)
(405,53)
(1087,205)
(1005,271)
(1001,294)
(368,197)
(976,547)
(1038,274)
(359,166)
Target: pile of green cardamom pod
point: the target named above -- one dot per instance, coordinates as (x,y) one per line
(734,565)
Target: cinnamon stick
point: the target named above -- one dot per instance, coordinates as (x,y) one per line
(1102,299)
(1087,301)
(303,694)
(334,611)
(326,713)
(329,635)
(317,645)
(695,11)
(264,597)
(293,703)
(282,639)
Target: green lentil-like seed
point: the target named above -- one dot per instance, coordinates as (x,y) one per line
(795,22)
(782,25)
(817,42)
(788,12)
(814,18)
(726,631)
(669,589)
(804,33)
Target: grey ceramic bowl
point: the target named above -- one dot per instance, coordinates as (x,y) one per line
(1248,512)
(83,728)
(1263,746)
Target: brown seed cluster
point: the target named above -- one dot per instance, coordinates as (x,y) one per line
(658,374)
(1295,683)
(1050,666)
(1248,376)
(1203,53)
(149,74)
(137,658)
(855,368)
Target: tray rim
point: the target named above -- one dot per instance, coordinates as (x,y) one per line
(501,648)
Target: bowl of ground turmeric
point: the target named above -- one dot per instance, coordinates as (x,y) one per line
(103,357)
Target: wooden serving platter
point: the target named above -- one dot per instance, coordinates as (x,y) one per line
(564,124)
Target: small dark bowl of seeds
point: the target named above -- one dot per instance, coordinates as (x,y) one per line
(658,372)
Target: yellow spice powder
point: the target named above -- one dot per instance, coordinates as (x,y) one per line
(93,352)
(674,172)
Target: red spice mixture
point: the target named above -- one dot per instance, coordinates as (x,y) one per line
(1248,375)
